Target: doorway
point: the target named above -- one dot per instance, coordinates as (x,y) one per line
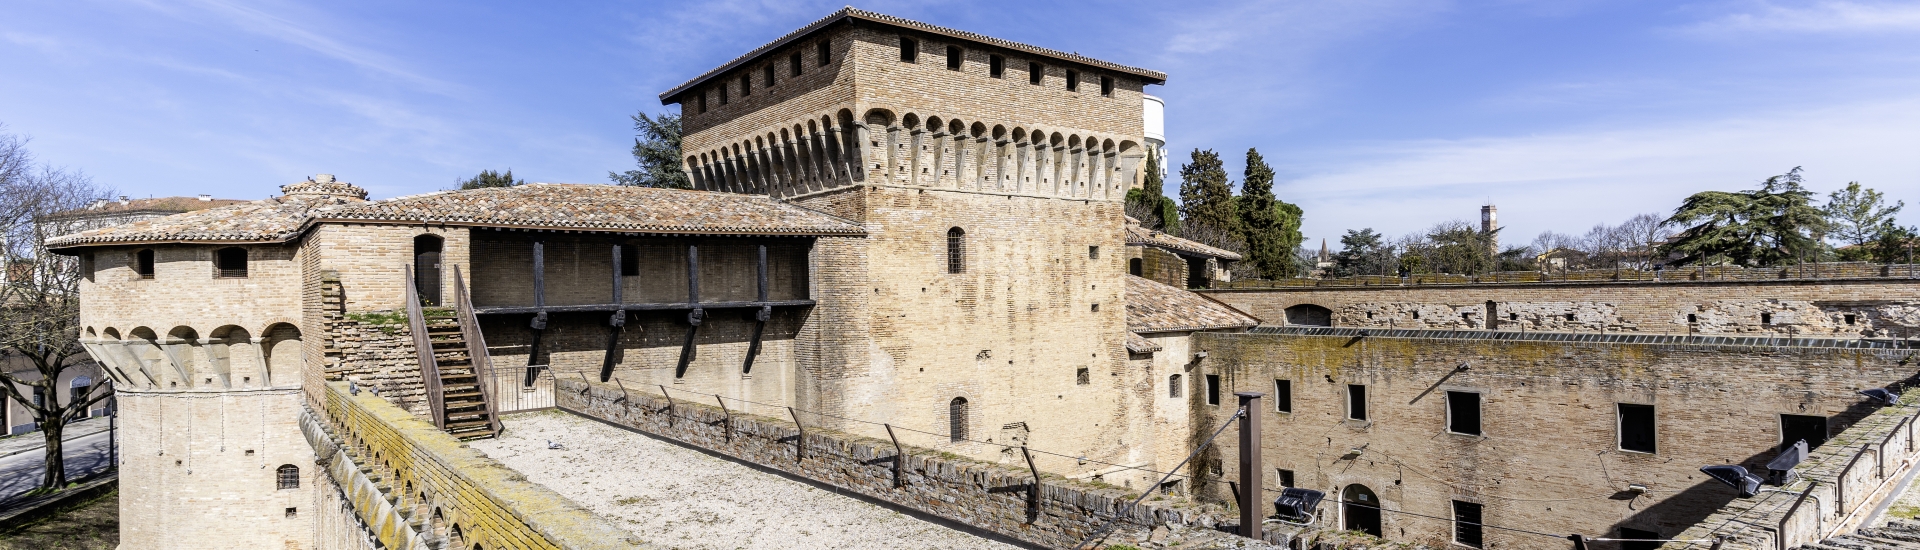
(426,268)
(1361,508)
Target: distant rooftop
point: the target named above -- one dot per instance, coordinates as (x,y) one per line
(1154,307)
(1141,236)
(850,13)
(125,206)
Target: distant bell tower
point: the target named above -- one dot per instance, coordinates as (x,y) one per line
(1489,221)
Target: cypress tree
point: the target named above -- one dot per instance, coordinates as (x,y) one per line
(1206,197)
(1270,226)
(1152,197)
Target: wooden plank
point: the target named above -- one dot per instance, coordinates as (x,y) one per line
(658,306)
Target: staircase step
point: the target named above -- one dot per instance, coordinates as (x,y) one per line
(467,425)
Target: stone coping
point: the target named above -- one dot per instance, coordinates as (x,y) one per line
(1822,272)
(1594,337)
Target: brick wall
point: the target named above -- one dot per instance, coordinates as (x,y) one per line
(1548,458)
(200,468)
(430,471)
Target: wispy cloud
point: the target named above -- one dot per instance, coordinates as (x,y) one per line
(1822,17)
(290,25)
(1571,179)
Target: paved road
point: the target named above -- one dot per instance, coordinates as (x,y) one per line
(22,472)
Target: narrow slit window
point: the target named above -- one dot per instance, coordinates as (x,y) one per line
(1082,377)
(1466,523)
(1174,386)
(954,57)
(1463,412)
(996,66)
(1356,402)
(956,250)
(1093,252)
(823,51)
(1213,389)
(723,93)
(909,50)
(957,419)
(629,261)
(1106,86)
(1073,81)
(230,263)
(1034,73)
(1637,428)
(766,75)
(1283,396)
(794,65)
(703,102)
(143,263)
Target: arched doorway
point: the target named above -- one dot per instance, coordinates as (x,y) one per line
(1309,315)
(1361,509)
(426,268)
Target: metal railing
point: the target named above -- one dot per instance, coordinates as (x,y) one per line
(1849,492)
(514,394)
(423,346)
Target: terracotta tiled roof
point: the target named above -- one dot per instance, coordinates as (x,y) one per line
(581,207)
(1153,307)
(1141,236)
(850,13)
(596,207)
(109,207)
(1140,344)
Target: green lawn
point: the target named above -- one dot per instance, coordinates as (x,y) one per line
(90,525)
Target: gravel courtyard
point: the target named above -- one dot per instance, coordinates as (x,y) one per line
(675,497)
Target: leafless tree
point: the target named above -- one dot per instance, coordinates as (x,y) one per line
(40,300)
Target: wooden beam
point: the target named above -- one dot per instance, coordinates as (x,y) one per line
(659,306)
(670,404)
(729,412)
(539,323)
(1033,493)
(695,317)
(799,443)
(615,323)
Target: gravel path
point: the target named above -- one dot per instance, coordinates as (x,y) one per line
(675,497)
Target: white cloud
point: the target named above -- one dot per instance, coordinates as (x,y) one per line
(1571,180)
(306,30)
(1824,17)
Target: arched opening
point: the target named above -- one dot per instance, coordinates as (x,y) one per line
(230,263)
(1360,509)
(284,353)
(956,250)
(957,419)
(233,347)
(287,476)
(1309,315)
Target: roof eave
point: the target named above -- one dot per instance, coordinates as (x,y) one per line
(853,232)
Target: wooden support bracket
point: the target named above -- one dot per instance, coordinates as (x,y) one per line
(799,443)
(1033,493)
(670,405)
(899,459)
(729,413)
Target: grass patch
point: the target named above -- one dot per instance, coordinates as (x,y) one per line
(387,321)
(88,525)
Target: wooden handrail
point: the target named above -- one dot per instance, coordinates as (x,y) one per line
(476,348)
(423,346)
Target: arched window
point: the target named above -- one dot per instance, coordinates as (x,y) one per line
(1173,386)
(289,476)
(957,419)
(230,262)
(143,263)
(956,250)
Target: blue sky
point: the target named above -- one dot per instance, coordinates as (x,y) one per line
(1391,114)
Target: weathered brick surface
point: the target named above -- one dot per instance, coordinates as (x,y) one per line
(199,470)
(436,475)
(1549,459)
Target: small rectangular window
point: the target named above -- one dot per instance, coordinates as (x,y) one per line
(1034,71)
(953,58)
(746,85)
(1766,318)
(909,50)
(1636,428)
(1174,386)
(1356,402)
(1691,318)
(1073,81)
(1466,523)
(86,265)
(1283,396)
(766,75)
(1106,86)
(1213,389)
(1463,412)
(1286,477)
(1081,377)
(230,262)
(143,263)
(1093,252)
(822,50)
(1798,427)
(793,64)
(723,93)
(1850,318)
(629,260)
(996,66)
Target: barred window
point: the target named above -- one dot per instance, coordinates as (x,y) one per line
(956,250)
(230,262)
(289,476)
(1173,386)
(957,419)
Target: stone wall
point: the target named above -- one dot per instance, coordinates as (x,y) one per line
(1548,457)
(985,496)
(1856,301)
(448,487)
(1159,265)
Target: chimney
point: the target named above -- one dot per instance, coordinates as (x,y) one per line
(124,201)
(206,198)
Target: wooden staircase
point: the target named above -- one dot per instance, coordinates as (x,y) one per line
(465,411)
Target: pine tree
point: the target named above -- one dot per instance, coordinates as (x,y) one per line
(657,152)
(1271,227)
(1206,197)
(489,178)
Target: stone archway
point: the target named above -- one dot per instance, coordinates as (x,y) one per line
(1360,510)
